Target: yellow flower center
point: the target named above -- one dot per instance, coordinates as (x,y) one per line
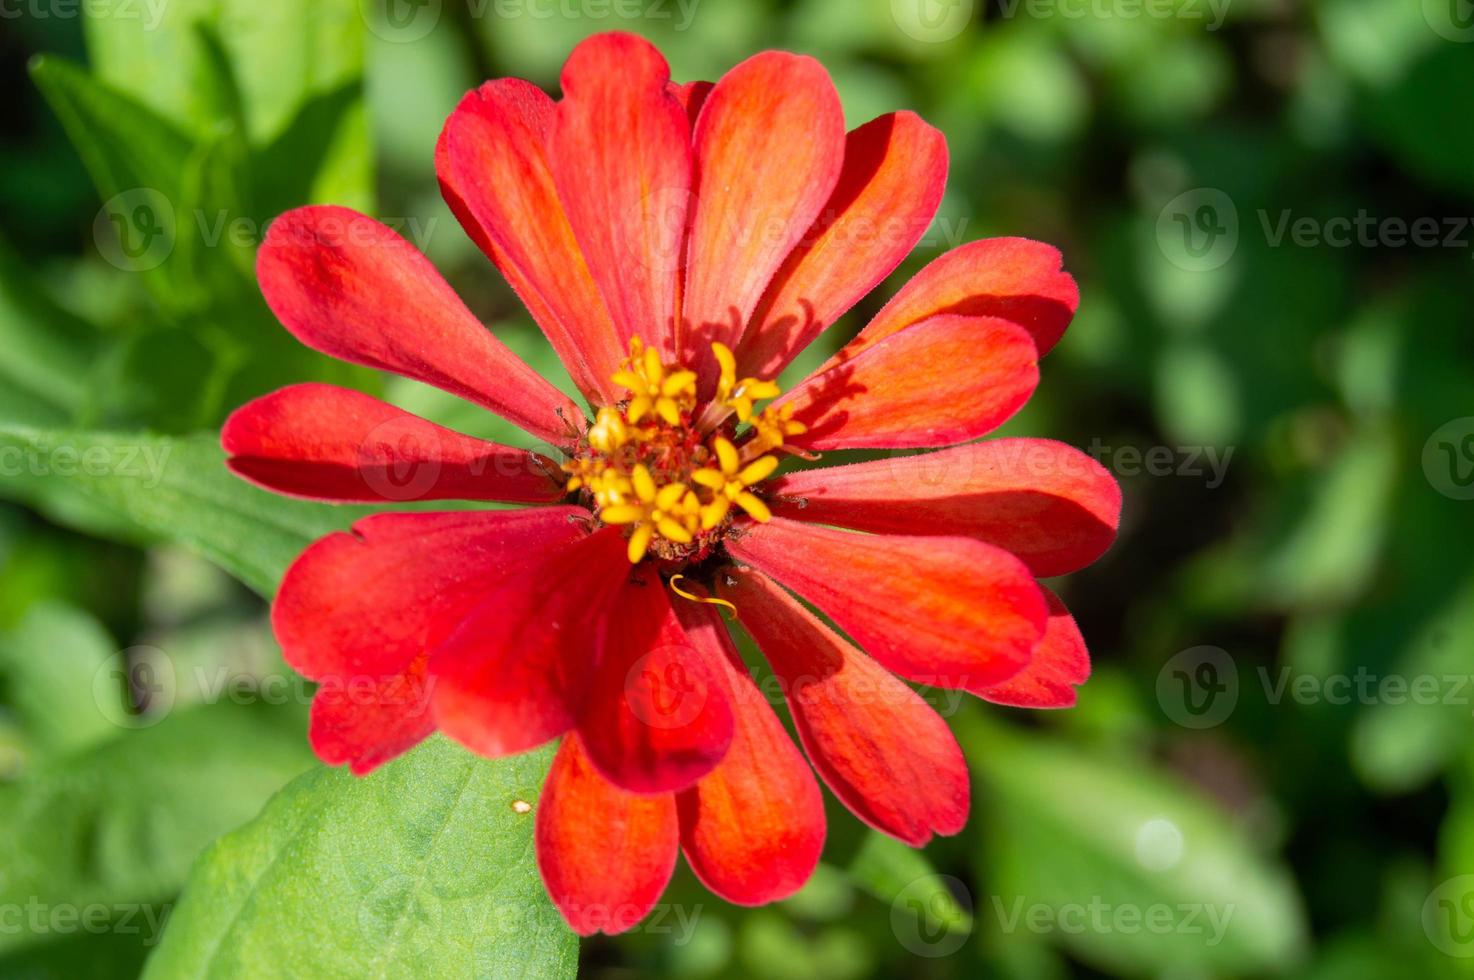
(647,465)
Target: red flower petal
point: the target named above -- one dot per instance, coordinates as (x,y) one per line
(950,612)
(691,96)
(658,718)
(366,721)
(895,168)
(883,751)
(367,602)
(330,443)
(1060,664)
(1012,278)
(753,829)
(515,671)
(943,381)
(605,854)
(769,146)
(348,286)
(1049,504)
(620,147)
(492,161)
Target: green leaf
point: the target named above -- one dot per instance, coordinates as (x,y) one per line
(1400,743)
(137,161)
(123,143)
(50,661)
(281,54)
(422,869)
(1126,868)
(151,488)
(118,825)
(903,877)
(48,352)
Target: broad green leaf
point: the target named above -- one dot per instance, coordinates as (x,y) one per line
(152,488)
(118,825)
(281,54)
(424,868)
(49,663)
(1127,869)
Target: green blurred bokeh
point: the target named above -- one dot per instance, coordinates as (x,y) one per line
(1267,205)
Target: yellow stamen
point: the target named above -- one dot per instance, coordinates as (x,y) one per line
(639,543)
(645,466)
(713,600)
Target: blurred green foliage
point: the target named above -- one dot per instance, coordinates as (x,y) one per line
(1226,179)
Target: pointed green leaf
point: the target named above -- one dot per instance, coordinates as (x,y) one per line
(424,868)
(117,826)
(150,488)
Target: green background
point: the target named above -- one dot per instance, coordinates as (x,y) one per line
(1271,772)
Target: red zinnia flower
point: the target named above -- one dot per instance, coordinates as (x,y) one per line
(680,244)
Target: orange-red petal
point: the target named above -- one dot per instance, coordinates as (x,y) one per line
(1016,279)
(515,672)
(329,443)
(1048,503)
(895,169)
(658,716)
(605,854)
(945,380)
(620,148)
(366,721)
(950,612)
(754,828)
(883,751)
(366,602)
(769,144)
(350,287)
(1061,663)
(692,97)
(492,161)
